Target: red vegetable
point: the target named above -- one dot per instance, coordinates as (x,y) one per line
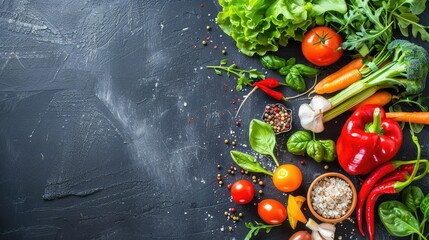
(367,140)
(375,176)
(391,187)
(399,176)
(272,93)
(242,191)
(321,46)
(268,82)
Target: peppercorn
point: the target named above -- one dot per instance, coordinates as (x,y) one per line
(220,183)
(261,183)
(219,166)
(204,42)
(224,51)
(229,186)
(226,141)
(208,28)
(241,214)
(233,210)
(261,191)
(326,167)
(235,218)
(233,143)
(302,162)
(226,213)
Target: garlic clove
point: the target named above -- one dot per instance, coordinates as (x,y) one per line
(316,236)
(327,230)
(319,103)
(309,119)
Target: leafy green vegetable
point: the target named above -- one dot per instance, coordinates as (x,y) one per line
(329,150)
(397,220)
(294,73)
(369,24)
(302,142)
(274,62)
(424,207)
(315,150)
(259,26)
(244,76)
(254,229)
(297,142)
(248,162)
(412,196)
(262,138)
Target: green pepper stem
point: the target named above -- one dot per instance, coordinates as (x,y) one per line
(399,186)
(375,126)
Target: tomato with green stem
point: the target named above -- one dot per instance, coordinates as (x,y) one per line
(242,191)
(322,46)
(272,211)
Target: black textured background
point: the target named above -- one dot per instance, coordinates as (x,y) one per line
(111,127)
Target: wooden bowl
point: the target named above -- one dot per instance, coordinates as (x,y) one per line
(352,205)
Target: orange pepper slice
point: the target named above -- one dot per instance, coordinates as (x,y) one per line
(294,210)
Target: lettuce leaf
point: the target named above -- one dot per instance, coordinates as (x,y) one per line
(259,26)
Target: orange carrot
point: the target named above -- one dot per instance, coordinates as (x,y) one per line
(356,63)
(413,117)
(343,81)
(380,98)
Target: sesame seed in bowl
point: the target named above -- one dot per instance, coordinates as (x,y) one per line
(332,197)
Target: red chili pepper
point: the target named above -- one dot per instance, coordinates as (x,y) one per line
(367,140)
(386,188)
(270,92)
(391,187)
(268,82)
(399,176)
(380,174)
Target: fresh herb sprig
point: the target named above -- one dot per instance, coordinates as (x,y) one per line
(368,25)
(254,229)
(245,77)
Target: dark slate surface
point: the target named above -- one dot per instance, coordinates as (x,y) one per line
(112,128)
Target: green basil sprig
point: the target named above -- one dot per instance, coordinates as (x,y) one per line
(294,73)
(302,142)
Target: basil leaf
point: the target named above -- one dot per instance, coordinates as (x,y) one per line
(315,150)
(397,220)
(329,150)
(424,207)
(262,138)
(412,196)
(297,142)
(248,162)
(295,81)
(273,62)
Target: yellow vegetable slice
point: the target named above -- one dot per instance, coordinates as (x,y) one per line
(294,210)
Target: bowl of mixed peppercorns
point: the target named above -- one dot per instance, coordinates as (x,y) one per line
(278,117)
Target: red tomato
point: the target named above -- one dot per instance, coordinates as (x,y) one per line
(272,211)
(242,191)
(301,235)
(287,178)
(320,46)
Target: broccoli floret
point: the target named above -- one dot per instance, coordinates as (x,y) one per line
(409,66)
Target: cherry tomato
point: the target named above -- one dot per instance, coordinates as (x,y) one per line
(242,191)
(301,235)
(272,211)
(320,46)
(287,178)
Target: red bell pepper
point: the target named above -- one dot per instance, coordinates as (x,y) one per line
(367,140)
